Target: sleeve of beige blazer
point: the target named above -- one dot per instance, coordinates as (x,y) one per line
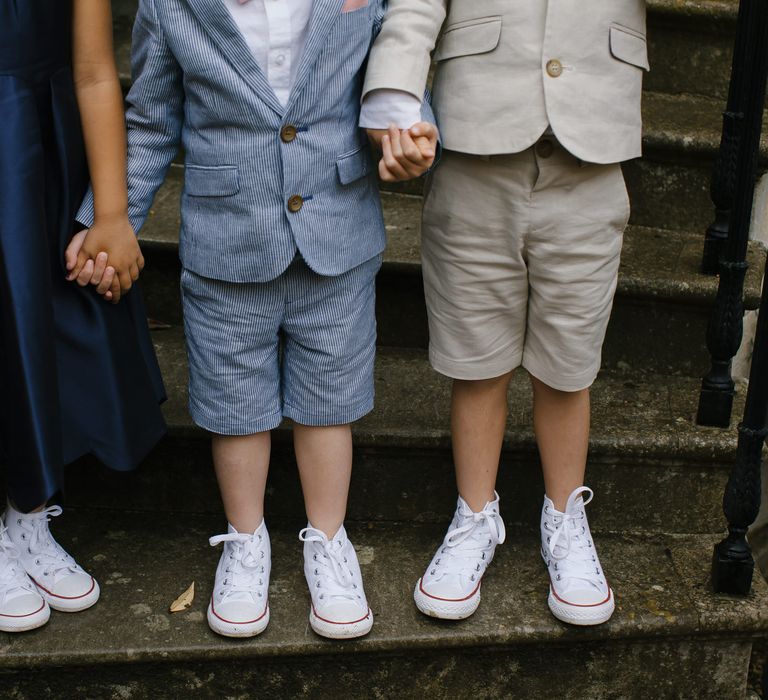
(401,56)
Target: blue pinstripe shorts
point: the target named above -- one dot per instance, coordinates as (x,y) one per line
(301,346)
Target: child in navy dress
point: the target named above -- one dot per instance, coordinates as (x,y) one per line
(78,375)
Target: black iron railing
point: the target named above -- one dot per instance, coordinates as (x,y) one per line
(725,252)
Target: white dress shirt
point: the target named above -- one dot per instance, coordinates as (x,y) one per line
(276,31)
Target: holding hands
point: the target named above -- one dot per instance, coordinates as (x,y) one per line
(107,256)
(406,153)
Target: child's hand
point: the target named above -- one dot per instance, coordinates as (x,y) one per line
(406,154)
(114,242)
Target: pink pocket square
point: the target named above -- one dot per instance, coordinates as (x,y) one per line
(352,5)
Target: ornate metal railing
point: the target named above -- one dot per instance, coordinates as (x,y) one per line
(725,252)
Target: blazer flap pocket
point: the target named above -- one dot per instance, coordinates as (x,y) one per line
(469,38)
(629,46)
(353,166)
(211,181)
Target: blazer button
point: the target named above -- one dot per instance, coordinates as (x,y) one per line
(295,203)
(554,68)
(288,133)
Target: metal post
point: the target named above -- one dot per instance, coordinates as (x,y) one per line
(723,184)
(733,565)
(725,327)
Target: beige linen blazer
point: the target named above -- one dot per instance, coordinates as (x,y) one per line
(507,69)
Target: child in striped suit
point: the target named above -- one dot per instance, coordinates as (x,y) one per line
(281,240)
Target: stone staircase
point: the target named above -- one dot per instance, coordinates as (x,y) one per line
(658,477)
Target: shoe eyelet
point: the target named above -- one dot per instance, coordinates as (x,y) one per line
(23,536)
(555,567)
(345,560)
(260,595)
(558,577)
(548,539)
(489,541)
(354,585)
(472,577)
(477,568)
(314,556)
(432,573)
(18,521)
(322,596)
(316,573)
(317,585)
(483,556)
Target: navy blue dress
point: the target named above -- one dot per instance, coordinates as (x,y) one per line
(77,375)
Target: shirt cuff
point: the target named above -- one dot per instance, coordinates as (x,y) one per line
(384,107)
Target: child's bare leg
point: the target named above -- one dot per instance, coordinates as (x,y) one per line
(242,463)
(478,418)
(561,422)
(324,455)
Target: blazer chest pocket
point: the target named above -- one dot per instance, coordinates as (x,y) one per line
(211,181)
(469,38)
(629,46)
(353,166)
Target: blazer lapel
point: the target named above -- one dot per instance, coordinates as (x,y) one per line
(325,14)
(220,26)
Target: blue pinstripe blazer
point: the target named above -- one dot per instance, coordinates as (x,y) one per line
(197,84)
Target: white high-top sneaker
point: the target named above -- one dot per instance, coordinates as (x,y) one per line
(339,607)
(239,604)
(450,587)
(59,579)
(21,606)
(578,593)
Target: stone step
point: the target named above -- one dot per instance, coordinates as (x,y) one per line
(652,469)
(661,293)
(669,635)
(690,44)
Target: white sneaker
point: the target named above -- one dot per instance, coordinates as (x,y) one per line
(578,593)
(239,604)
(59,579)
(21,606)
(450,588)
(339,608)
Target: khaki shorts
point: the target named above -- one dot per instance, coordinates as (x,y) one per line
(520,256)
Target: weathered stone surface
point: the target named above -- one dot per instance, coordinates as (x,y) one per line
(658,634)
(653,470)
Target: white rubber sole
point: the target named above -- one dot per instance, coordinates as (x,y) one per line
(446,609)
(236,629)
(26,622)
(340,630)
(71,605)
(581,615)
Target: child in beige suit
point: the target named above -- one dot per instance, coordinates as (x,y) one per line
(538,103)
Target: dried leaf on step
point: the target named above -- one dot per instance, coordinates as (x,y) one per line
(184,600)
(157,325)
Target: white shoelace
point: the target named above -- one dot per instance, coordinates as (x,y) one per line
(569,545)
(12,579)
(48,553)
(334,576)
(245,569)
(470,541)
